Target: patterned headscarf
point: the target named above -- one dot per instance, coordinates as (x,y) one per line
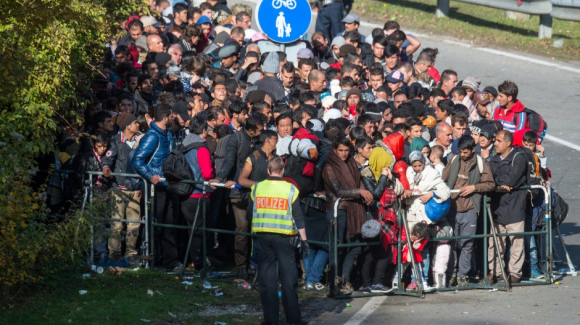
(417,156)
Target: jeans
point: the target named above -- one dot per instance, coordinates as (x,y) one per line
(314,264)
(426,255)
(165,237)
(465,225)
(193,211)
(347,256)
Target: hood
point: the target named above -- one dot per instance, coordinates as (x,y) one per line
(206,20)
(192,138)
(396,142)
(519,137)
(517,107)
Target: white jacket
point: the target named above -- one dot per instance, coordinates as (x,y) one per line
(430,181)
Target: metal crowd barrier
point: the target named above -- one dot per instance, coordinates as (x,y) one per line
(333,244)
(88,197)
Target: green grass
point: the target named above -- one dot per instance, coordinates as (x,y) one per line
(124,299)
(481,25)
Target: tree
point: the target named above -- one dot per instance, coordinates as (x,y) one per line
(48,53)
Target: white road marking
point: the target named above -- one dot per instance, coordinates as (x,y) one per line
(366,310)
(562,142)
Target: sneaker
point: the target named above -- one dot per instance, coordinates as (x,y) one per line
(427,288)
(319,286)
(536,274)
(346,289)
(367,290)
(309,287)
(133,262)
(462,281)
(412,285)
(379,288)
(514,279)
(453,281)
(116,257)
(177,268)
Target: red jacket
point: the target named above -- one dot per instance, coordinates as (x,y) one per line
(405,258)
(512,120)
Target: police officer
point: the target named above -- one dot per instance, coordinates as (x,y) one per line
(276,209)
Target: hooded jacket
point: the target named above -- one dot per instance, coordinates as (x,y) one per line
(396,145)
(205,40)
(512,120)
(199,160)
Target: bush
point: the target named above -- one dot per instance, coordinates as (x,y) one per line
(48,51)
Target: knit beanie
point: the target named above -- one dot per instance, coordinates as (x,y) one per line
(272,63)
(124,119)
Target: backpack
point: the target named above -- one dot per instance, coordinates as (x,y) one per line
(533,175)
(176,168)
(559,209)
(534,122)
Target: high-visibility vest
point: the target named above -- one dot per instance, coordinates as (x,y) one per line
(273,206)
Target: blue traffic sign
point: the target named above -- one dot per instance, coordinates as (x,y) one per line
(284,21)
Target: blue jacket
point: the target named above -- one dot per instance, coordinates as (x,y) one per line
(153,149)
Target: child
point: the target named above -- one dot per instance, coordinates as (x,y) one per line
(419,236)
(435,157)
(459,96)
(288,30)
(530,141)
(90,160)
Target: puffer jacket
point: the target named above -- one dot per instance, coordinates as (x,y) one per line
(153,149)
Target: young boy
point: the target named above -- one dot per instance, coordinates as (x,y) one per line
(530,141)
(435,157)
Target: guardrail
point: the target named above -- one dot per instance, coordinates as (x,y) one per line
(543,8)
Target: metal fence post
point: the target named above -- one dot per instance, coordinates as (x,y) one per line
(152,221)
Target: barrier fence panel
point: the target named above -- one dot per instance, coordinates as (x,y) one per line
(334,245)
(144,221)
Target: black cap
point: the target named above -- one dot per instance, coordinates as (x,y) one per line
(491,90)
(489,131)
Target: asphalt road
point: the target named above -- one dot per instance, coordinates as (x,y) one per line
(552,88)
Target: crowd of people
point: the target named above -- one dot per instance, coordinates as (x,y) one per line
(366,119)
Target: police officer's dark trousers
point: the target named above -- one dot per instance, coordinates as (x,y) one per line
(276,250)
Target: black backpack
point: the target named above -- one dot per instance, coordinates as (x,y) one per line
(176,169)
(559,209)
(534,122)
(531,177)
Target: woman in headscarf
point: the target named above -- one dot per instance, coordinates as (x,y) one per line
(424,179)
(342,180)
(420,144)
(378,179)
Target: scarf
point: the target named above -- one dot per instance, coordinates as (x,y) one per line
(348,176)
(418,144)
(387,218)
(378,160)
(417,156)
